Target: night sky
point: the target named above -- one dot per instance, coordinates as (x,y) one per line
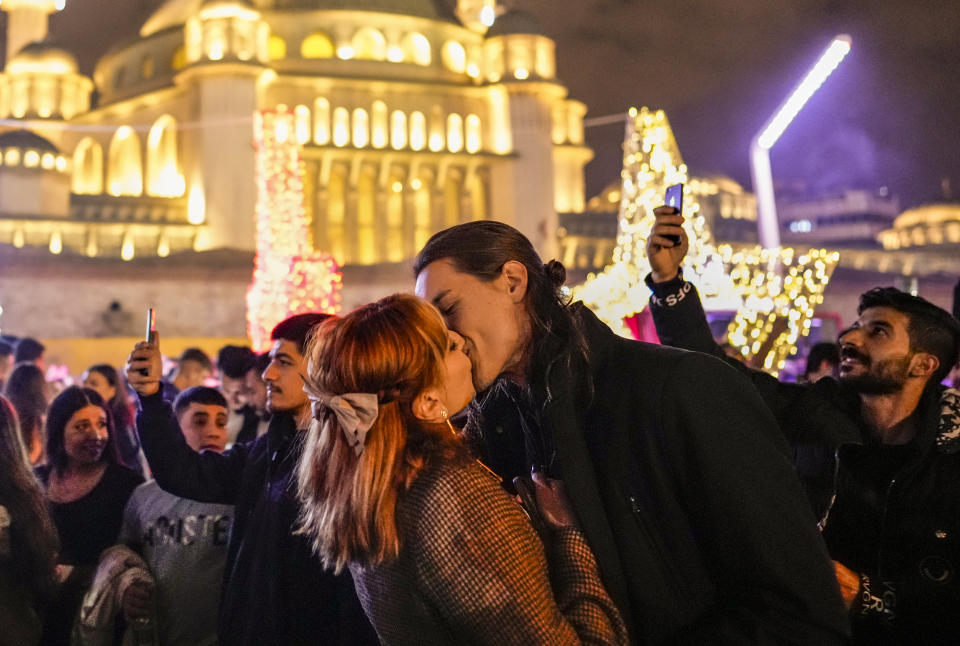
(889,116)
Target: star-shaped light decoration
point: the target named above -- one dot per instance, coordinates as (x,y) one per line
(773,291)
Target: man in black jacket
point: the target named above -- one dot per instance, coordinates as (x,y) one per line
(673,465)
(878,451)
(275,590)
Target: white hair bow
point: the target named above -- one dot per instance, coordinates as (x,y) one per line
(355,412)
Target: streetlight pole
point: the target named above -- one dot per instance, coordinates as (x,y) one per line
(768,227)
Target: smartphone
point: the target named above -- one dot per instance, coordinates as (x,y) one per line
(151,324)
(674,197)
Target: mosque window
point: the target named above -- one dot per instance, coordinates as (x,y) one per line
(321,121)
(478,197)
(147,67)
(215,41)
(87,168)
(398,130)
(436,129)
(454,57)
(378,131)
(418,130)
(454,133)
(124,164)
(336,212)
(473,140)
(451,200)
(276,48)
(301,118)
(119,75)
(416,48)
(179,60)
(394,242)
(361,128)
(366,219)
(164,178)
(317,45)
(341,127)
(369,44)
(422,221)
(545,64)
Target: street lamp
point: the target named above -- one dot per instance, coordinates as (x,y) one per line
(768,227)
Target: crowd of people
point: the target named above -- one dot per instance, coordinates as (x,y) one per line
(483,461)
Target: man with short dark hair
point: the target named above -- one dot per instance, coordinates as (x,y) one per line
(276,591)
(193,369)
(878,450)
(29,350)
(822,361)
(183,541)
(233,364)
(675,468)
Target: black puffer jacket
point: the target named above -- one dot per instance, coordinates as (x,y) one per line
(904,540)
(684,490)
(275,590)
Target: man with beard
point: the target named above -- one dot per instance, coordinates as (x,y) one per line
(275,590)
(878,450)
(675,468)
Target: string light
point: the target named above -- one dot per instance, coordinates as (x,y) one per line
(289,277)
(773,291)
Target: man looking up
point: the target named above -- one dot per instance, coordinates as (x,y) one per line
(673,465)
(878,450)
(275,591)
(184,542)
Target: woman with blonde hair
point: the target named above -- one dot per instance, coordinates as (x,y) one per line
(439,552)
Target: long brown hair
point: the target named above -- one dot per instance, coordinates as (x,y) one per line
(394,348)
(33,537)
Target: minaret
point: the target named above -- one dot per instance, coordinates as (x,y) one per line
(477,15)
(226,51)
(27,21)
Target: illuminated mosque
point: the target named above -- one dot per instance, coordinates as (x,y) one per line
(412,115)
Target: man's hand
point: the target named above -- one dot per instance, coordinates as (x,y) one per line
(137,600)
(144,367)
(664,256)
(849,583)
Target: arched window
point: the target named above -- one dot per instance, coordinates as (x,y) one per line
(418,130)
(473,139)
(416,48)
(454,57)
(88,168)
(436,129)
(164,178)
(301,120)
(378,131)
(321,121)
(317,45)
(146,67)
(341,127)
(422,219)
(366,219)
(395,250)
(276,48)
(124,164)
(336,211)
(398,130)
(361,128)
(179,59)
(478,197)
(454,133)
(369,44)
(451,200)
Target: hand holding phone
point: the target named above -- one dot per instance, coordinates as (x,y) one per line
(674,197)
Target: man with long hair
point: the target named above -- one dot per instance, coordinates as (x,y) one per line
(673,464)
(275,591)
(878,449)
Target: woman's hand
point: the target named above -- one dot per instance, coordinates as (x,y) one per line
(552,502)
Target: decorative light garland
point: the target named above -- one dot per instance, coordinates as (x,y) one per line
(289,277)
(773,292)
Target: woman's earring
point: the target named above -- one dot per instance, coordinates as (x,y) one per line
(443,414)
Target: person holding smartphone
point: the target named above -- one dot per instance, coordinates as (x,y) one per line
(276,591)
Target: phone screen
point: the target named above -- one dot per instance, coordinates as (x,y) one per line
(674,197)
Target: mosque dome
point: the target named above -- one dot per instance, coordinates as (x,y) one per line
(516,21)
(173,13)
(928,225)
(42,57)
(26,140)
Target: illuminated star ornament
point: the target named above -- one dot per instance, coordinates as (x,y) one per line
(773,291)
(289,277)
